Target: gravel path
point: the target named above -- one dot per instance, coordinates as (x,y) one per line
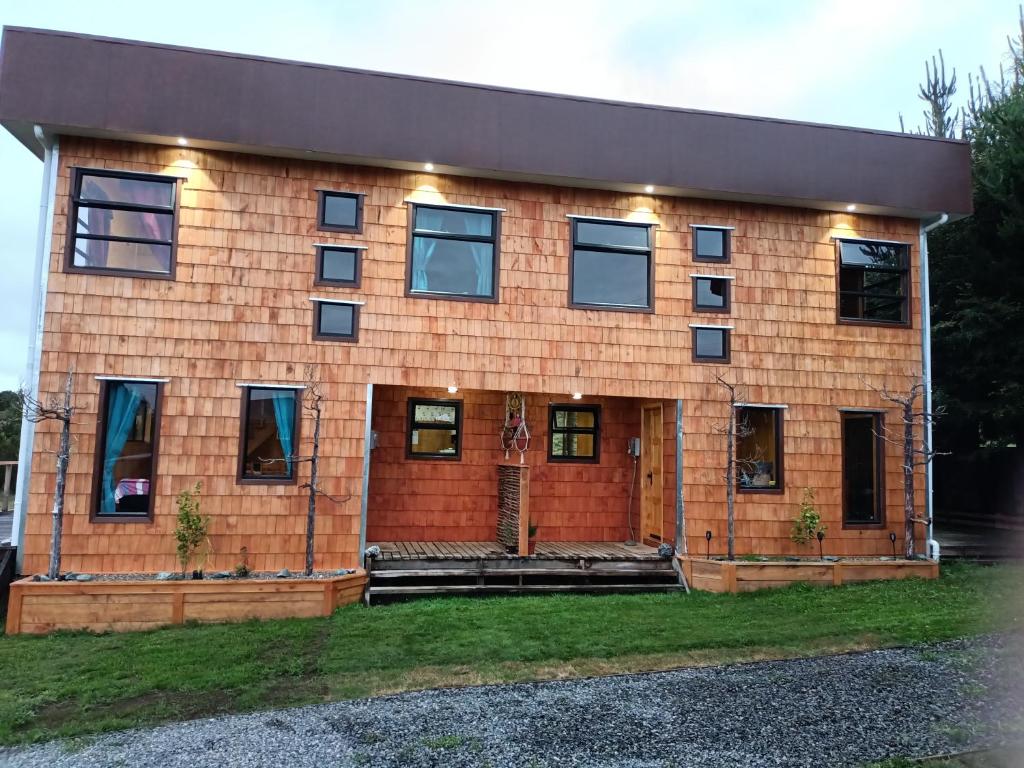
(830,711)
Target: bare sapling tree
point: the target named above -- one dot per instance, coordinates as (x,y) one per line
(733,430)
(916,451)
(313,402)
(59,409)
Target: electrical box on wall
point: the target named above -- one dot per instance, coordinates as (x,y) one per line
(633,446)
(373,439)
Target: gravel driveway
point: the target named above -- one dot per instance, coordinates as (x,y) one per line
(829,711)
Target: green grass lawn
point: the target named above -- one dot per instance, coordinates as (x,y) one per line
(74,684)
(995,758)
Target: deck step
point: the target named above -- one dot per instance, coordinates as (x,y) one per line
(456,589)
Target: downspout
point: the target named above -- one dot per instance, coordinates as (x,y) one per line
(367,450)
(931,545)
(40,276)
(680,507)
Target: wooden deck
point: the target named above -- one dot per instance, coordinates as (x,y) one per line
(486,550)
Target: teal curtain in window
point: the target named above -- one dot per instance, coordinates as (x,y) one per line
(284,415)
(482,253)
(422,248)
(122,404)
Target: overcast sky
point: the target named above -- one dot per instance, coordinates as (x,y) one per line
(831,61)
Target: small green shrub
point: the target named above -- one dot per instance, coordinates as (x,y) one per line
(808,521)
(192,532)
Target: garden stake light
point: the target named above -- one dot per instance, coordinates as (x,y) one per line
(821,538)
(892,538)
(707,536)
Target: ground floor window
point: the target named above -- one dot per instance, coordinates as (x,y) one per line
(863,469)
(435,429)
(759,448)
(574,433)
(270,428)
(127,449)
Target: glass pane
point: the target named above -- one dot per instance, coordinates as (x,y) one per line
(339,265)
(336,319)
(593,233)
(710,243)
(340,210)
(757,465)
(108,254)
(710,342)
(455,267)
(269,433)
(711,293)
(454,222)
(112,189)
(435,413)
(129,431)
(616,279)
(103,221)
(873,255)
(579,419)
(860,500)
(434,441)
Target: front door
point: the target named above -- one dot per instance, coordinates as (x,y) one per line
(651,480)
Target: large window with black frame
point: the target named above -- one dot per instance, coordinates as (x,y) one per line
(453,253)
(874,282)
(611,265)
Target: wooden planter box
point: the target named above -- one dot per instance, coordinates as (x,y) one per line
(743,576)
(119,606)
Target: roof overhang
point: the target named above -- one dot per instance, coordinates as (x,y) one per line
(71,84)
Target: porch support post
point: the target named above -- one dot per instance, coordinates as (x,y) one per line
(680,516)
(367,448)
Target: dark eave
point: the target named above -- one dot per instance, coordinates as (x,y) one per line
(75,84)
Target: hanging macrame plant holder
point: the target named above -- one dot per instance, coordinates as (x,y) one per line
(514,434)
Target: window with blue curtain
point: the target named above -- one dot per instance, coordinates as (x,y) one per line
(126,454)
(269,436)
(454,252)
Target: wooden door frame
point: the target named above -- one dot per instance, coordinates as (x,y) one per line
(659,527)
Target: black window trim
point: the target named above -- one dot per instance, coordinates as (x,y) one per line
(357,252)
(75,201)
(904,272)
(575,220)
(595,431)
(411,424)
(319,335)
(321,210)
(727,342)
(726,243)
(494,239)
(878,427)
(726,308)
(242,477)
(780,453)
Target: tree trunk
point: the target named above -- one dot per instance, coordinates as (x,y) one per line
(63,454)
(730,480)
(314,467)
(908,478)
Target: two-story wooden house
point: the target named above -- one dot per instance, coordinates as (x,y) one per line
(213,223)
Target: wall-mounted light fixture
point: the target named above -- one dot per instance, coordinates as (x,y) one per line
(182,141)
(851,207)
(577,395)
(649,189)
(452,389)
(428,167)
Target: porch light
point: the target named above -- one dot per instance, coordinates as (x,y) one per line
(428,166)
(577,395)
(182,141)
(452,389)
(649,189)
(851,207)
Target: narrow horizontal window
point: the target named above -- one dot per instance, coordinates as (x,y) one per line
(611,266)
(125,471)
(711,244)
(873,281)
(711,294)
(711,344)
(270,425)
(338,265)
(434,429)
(335,321)
(759,448)
(574,433)
(339,211)
(122,223)
(453,253)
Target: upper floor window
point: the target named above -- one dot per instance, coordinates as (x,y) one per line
(125,471)
(338,265)
(710,293)
(270,427)
(453,252)
(711,243)
(122,223)
(711,343)
(339,211)
(874,282)
(435,429)
(759,448)
(335,320)
(574,433)
(612,265)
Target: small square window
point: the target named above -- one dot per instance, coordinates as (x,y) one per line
(339,211)
(434,429)
(335,321)
(711,244)
(710,344)
(574,433)
(338,266)
(710,294)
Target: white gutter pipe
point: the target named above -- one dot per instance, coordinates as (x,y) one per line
(40,275)
(931,546)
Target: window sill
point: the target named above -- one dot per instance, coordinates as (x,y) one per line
(118,273)
(873,323)
(131,519)
(863,526)
(411,294)
(612,308)
(573,460)
(433,457)
(757,491)
(264,481)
